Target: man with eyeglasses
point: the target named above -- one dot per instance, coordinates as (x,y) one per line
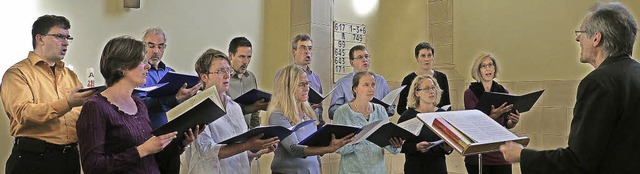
(207,155)
(157,107)
(360,61)
(604,131)
(240,51)
(40,96)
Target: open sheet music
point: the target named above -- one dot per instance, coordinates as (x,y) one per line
(201,109)
(390,98)
(315,97)
(485,133)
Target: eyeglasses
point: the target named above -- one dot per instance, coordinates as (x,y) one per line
(490,65)
(431,88)
(161,46)
(222,72)
(303,85)
(579,31)
(366,56)
(60,36)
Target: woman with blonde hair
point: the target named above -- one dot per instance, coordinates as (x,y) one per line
(484,70)
(421,156)
(289,106)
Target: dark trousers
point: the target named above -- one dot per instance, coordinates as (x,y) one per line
(36,156)
(489,169)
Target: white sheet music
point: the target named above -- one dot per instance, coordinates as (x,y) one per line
(210,93)
(479,127)
(413,125)
(391,97)
(368,130)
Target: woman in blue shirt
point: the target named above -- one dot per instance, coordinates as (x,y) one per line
(363,157)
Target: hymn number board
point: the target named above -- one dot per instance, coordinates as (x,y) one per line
(345,36)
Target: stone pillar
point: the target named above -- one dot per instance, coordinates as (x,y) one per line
(441,36)
(315,17)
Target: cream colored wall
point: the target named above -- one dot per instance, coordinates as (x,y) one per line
(393,30)
(532,40)
(191,27)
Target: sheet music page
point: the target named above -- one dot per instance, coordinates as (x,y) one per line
(215,96)
(327,94)
(479,127)
(185,106)
(391,97)
(413,125)
(368,130)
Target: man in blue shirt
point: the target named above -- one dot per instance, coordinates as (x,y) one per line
(360,61)
(155,40)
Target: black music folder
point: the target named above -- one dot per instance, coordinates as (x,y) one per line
(521,103)
(315,97)
(322,137)
(174,83)
(99,88)
(269,132)
(252,96)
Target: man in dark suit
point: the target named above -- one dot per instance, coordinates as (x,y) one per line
(605,131)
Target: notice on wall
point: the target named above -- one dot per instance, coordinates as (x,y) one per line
(345,36)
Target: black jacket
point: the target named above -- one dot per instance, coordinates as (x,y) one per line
(605,131)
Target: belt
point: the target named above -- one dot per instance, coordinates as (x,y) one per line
(39,146)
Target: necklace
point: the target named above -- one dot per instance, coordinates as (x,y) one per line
(364,111)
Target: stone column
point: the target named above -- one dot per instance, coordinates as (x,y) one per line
(441,36)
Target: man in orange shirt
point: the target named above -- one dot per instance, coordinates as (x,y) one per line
(40,96)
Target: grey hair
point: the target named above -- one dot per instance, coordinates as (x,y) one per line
(617,26)
(300,37)
(154,30)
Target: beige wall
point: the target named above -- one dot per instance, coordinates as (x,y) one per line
(532,40)
(393,30)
